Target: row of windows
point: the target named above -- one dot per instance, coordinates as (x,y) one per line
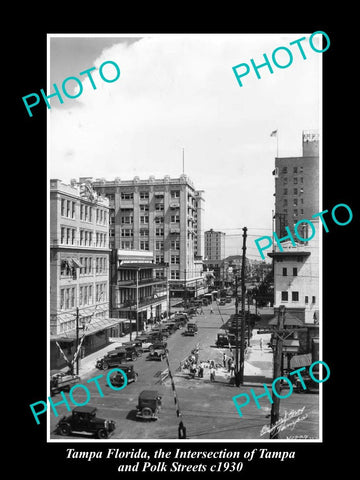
(295,212)
(100,264)
(295,297)
(145,195)
(68,237)
(295,180)
(295,191)
(296,169)
(67,208)
(295,202)
(68,295)
(294,272)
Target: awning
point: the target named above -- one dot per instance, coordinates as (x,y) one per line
(298,361)
(291,320)
(96,325)
(135,266)
(76,262)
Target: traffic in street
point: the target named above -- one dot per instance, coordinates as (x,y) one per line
(205,404)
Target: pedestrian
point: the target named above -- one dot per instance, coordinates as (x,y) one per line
(229,363)
(202,311)
(212,364)
(201,371)
(211,309)
(224,360)
(181,430)
(212,374)
(232,369)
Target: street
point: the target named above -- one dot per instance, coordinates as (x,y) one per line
(208,411)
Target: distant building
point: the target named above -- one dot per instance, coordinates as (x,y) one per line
(79,269)
(163,216)
(214,242)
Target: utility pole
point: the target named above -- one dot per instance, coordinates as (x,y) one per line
(275,408)
(237,370)
(243,290)
(137,301)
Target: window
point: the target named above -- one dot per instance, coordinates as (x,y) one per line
(159,232)
(144,245)
(144,195)
(306,299)
(144,232)
(285,180)
(127,219)
(301,169)
(295,296)
(63,210)
(175,274)
(159,259)
(295,170)
(295,180)
(284,170)
(159,219)
(295,202)
(295,191)
(285,191)
(284,272)
(285,202)
(175,218)
(284,296)
(127,245)
(313,299)
(144,219)
(301,179)
(127,196)
(175,194)
(295,271)
(159,245)
(175,260)
(159,207)
(126,232)
(144,208)
(175,245)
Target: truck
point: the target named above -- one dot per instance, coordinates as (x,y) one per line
(62,381)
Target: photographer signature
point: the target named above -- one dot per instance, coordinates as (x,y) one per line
(289,420)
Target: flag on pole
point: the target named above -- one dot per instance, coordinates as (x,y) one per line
(273,134)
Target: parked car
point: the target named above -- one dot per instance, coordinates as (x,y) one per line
(114,358)
(228,299)
(84,420)
(171,327)
(61,381)
(223,340)
(117,379)
(149,405)
(158,351)
(191,329)
(222,301)
(145,340)
(133,347)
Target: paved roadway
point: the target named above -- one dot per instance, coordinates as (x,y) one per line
(207,408)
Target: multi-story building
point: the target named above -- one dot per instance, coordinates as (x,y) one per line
(297,266)
(297,186)
(138,295)
(79,269)
(158,215)
(214,242)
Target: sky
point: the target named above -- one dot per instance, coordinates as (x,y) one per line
(179,92)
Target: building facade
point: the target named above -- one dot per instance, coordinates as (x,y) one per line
(79,269)
(137,294)
(163,216)
(297,186)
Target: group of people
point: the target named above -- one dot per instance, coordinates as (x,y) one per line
(229,363)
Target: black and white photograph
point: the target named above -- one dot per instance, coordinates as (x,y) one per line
(191,313)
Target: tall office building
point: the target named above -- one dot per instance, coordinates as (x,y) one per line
(297,186)
(214,245)
(163,216)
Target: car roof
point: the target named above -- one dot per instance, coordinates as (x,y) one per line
(148,394)
(85,409)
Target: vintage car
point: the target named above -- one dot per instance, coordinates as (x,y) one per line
(171,327)
(145,341)
(157,351)
(61,381)
(117,379)
(158,330)
(84,420)
(132,347)
(149,405)
(181,319)
(114,358)
(191,329)
(228,299)
(223,340)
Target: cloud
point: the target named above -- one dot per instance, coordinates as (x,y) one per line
(180,91)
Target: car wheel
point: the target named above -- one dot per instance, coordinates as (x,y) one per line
(102,433)
(146,412)
(65,429)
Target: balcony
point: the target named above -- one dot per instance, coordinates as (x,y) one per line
(174,229)
(143,302)
(142,283)
(174,204)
